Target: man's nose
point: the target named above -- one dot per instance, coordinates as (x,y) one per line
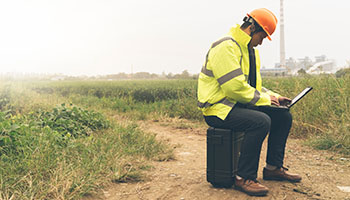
(261,41)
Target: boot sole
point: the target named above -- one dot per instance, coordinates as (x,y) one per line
(281,179)
(262,193)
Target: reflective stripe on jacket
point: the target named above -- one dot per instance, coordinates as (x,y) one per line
(223,79)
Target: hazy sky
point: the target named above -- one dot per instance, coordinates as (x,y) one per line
(90,37)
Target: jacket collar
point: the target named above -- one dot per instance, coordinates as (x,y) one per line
(240,36)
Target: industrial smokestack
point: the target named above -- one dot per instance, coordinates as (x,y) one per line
(282,48)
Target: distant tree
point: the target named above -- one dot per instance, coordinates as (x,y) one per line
(170,76)
(70,78)
(342,72)
(121,75)
(163,74)
(301,71)
(195,76)
(185,74)
(154,76)
(142,75)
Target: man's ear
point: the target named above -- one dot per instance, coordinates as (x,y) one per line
(252,28)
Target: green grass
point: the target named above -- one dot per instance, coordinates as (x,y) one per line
(324,111)
(68,151)
(323,115)
(51,167)
(173,98)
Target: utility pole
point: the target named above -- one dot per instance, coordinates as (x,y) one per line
(282,47)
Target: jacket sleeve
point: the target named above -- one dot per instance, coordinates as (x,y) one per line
(225,62)
(270,92)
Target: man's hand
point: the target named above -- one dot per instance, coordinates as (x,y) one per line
(274,101)
(284,101)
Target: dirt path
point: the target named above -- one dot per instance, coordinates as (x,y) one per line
(185,177)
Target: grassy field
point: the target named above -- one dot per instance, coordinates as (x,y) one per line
(50,149)
(323,117)
(63,139)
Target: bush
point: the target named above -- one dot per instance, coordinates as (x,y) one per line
(16,131)
(42,156)
(343,72)
(72,120)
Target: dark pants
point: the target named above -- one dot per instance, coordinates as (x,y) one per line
(256,122)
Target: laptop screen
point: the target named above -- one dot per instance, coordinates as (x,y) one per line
(299,96)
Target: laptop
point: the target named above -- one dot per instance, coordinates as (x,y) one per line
(294,100)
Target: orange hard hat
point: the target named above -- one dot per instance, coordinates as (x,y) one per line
(266,19)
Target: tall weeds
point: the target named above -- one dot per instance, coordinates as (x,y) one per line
(323,115)
(41,159)
(65,152)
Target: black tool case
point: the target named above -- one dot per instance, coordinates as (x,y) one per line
(223,147)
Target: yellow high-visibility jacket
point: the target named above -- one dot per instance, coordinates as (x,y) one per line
(223,79)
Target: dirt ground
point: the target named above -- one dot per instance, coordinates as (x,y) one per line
(185,177)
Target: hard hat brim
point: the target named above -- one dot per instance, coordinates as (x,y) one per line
(268,37)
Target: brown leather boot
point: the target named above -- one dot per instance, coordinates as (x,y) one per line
(251,187)
(280,174)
